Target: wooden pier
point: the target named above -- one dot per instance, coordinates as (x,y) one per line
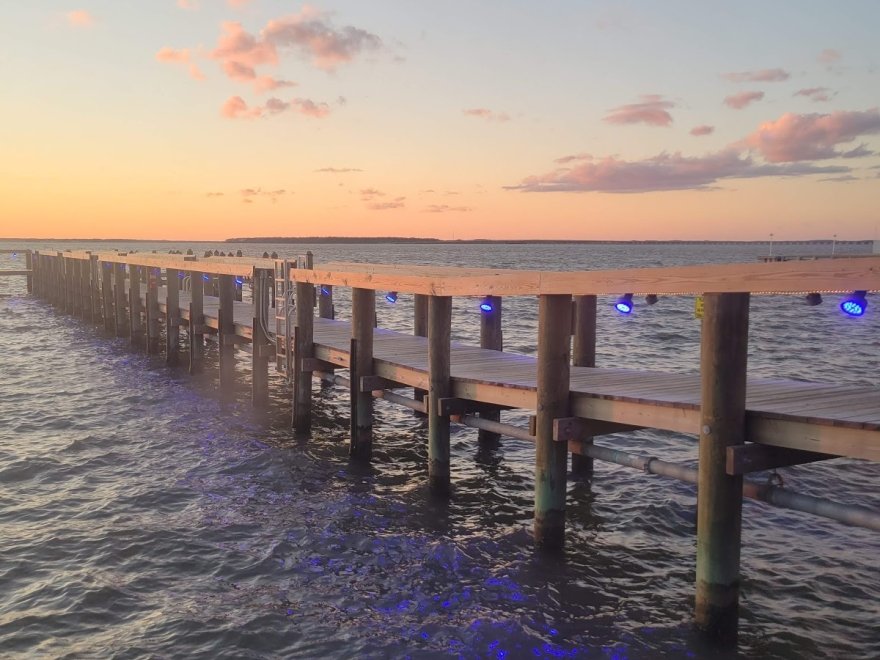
(743,424)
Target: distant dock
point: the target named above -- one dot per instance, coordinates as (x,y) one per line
(163,303)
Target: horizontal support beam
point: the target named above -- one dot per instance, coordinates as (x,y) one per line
(233,340)
(578,428)
(742,459)
(314,364)
(14,273)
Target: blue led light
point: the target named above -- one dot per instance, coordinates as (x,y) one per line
(855,305)
(239,281)
(624,304)
(391,297)
(205,277)
(325,291)
(486,306)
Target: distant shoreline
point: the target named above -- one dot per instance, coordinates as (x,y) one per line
(400,240)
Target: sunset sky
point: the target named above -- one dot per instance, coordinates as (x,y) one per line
(206,119)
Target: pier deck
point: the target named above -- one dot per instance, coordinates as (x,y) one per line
(843,419)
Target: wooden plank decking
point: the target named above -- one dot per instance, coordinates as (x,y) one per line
(834,419)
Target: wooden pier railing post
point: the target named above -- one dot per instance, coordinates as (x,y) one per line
(420,329)
(363,313)
(439,387)
(152,311)
(196,321)
(135,323)
(29,264)
(107,296)
(120,300)
(723,353)
(304,348)
(491,337)
(325,301)
(584,355)
(551,458)
(67,278)
(84,306)
(226,337)
(261,341)
(172,316)
(97,306)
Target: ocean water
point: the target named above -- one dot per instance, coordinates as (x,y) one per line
(142,517)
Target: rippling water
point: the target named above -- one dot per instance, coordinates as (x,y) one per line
(142,517)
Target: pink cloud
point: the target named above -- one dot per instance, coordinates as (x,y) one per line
(445,208)
(743,99)
(829,56)
(386,206)
(80,18)
(652,110)
(310,108)
(761,75)
(573,157)
(235,108)
(795,137)
(188,4)
(238,4)
(314,35)
(172,55)
(816,94)
(485,113)
(247,74)
(239,46)
(703,129)
(662,172)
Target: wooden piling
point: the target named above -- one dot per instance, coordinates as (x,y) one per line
(304,348)
(439,387)
(583,355)
(491,337)
(723,358)
(29,264)
(135,323)
(172,316)
(95,291)
(420,329)
(325,302)
(195,330)
(363,311)
(553,381)
(262,344)
(152,311)
(107,296)
(226,337)
(120,300)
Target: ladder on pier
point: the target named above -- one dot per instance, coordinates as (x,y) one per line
(285,311)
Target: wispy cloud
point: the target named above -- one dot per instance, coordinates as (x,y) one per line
(188,4)
(796,137)
(236,107)
(846,178)
(338,170)
(181,56)
(651,110)
(397,203)
(485,113)
(703,129)
(761,75)
(742,100)
(817,94)
(80,18)
(829,56)
(214,194)
(445,208)
(249,195)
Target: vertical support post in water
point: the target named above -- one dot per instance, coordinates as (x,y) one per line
(491,337)
(196,321)
(135,325)
(420,329)
(226,337)
(325,301)
(107,296)
(304,348)
(29,264)
(584,355)
(84,301)
(120,300)
(439,387)
(152,310)
(551,458)
(172,317)
(260,343)
(95,289)
(363,313)
(723,359)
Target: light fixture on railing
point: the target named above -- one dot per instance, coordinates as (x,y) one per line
(486,305)
(238,281)
(813,299)
(651,299)
(391,297)
(856,304)
(624,304)
(325,291)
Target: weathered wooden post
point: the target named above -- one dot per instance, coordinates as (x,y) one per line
(107,296)
(95,290)
(172,317)
(226,337)
(584,355)
(491,337)
(420,329)
(363,313)
(551,458)
(120,300)
(304,348)
(85,289)
(439,387)
(723,359)
(325,301)
(29,264)
(135,324)
(196,330)
(261,343)
(152,311)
